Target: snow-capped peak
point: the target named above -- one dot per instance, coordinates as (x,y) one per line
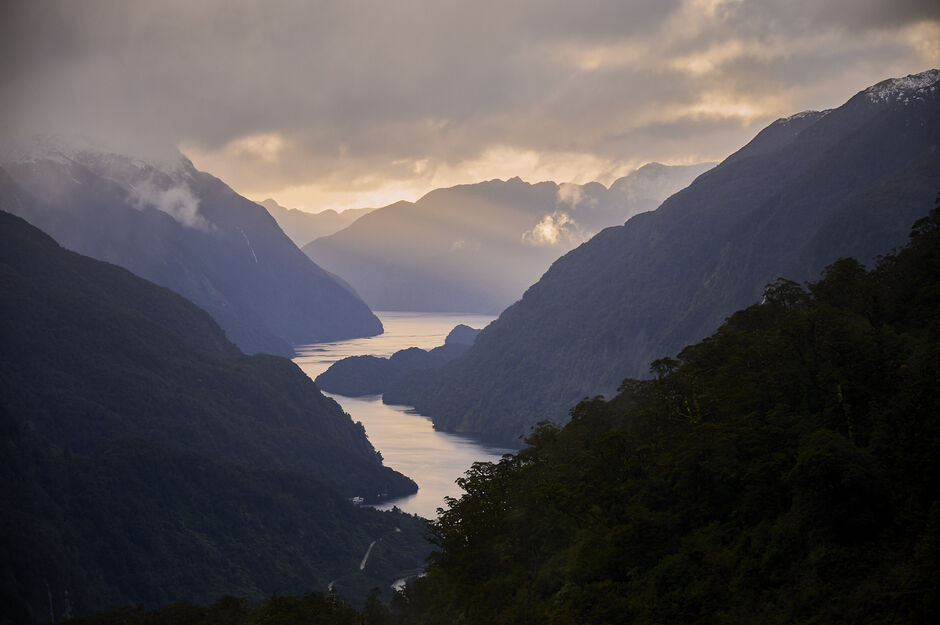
(64,149)
(18,148)
(802,115)
(166,184)
(915,86)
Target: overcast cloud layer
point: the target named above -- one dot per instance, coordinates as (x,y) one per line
(349,103)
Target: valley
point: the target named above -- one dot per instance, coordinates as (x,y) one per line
(407,441)
(449,313)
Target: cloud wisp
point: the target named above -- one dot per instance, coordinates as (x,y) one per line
(178,202)
(553,229)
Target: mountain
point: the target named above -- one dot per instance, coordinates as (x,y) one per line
(146,459)
(646,188)
(186,230)
(475,248)
(303,227)
(804,192)
(784,470)
(462,334)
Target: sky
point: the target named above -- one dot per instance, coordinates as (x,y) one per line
(352,103)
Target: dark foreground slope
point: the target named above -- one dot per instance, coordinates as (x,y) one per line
(145,459)
(807,190)
(784,470)
(186,230)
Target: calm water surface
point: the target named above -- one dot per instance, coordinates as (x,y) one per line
(407,440)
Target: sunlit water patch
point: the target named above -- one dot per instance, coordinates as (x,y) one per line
(408,441)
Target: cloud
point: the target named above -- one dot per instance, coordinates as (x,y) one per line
(570,195)
(554,228)
(176,201)
(334,98)
(464,244)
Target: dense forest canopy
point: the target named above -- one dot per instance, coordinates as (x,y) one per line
(783,470)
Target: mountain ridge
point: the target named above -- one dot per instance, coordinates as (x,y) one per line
(606,309)
(303,227)
(189,231)
(476,247)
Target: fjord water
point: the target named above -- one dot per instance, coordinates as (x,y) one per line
(407,441)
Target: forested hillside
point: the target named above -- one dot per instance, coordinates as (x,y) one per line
(147,460)
(783,470)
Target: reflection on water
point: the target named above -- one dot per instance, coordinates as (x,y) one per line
(402,330)
(411,445)
(407,441)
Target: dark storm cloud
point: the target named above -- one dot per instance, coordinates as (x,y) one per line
(274,94)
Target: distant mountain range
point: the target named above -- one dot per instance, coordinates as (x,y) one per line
(146,460)
(806,191)
(303,227)
(186,230)
(475,248)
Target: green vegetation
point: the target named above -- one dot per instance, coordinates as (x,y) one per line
(784,470)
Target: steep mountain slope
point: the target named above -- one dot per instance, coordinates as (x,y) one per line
(145,456)
(782,471)
(475,248)
(188,231)
(92,353)
(303,227)
(806,191)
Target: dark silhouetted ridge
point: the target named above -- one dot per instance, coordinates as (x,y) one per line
(147,460)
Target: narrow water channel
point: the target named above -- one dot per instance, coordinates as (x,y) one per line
(408,441)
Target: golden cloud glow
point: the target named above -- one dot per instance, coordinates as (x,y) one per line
(318,197)
(266,147)
(708,60)
(603,57)
(728,105)
(414,178)
(925,38)
(553,228)
(560,166)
